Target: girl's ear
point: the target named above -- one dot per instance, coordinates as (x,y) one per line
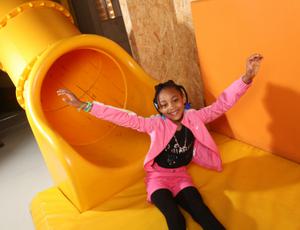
(184,99)
(184,95)
(158,108)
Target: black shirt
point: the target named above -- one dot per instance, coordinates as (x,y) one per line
(179,151)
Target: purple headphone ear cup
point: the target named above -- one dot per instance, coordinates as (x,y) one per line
(187,105)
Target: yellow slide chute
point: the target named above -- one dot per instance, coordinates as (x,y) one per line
(90,160)
(97,167)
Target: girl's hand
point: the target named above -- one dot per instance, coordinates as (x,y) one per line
(252,67)
(70,98)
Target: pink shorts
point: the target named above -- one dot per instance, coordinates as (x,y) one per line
(173,179)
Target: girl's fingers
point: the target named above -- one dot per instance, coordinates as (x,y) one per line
(255,60)
(66,96)
(60,90)
(60,93)
(63,91)
(255,57)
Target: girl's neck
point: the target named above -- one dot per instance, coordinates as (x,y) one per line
(179,126)
(178,123)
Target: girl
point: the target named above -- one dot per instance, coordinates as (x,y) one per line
(178,136)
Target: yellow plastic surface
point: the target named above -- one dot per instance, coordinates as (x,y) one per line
(27,28)
(90,160)
(256,191)
(97,168)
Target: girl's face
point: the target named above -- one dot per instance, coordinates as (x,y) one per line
(171,104)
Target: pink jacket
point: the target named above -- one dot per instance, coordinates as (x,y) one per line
(161,130)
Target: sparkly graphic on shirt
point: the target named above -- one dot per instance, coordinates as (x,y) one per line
(175,151)
(179,150)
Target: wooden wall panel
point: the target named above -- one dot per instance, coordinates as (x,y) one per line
(162,38)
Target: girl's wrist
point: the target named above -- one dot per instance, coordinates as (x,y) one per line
(85,106)
(81,105)
(247,79)
(88,107)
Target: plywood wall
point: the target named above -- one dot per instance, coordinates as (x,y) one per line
(162,38)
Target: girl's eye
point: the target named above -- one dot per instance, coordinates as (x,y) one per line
(163,106)
(175,100)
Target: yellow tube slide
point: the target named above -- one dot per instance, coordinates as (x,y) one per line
(97,166)
(90,160)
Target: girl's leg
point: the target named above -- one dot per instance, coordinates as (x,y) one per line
(190,199)
(165,202)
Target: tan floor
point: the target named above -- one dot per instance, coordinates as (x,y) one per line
(22,174)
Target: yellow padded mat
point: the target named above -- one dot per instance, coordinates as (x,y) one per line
(256,190)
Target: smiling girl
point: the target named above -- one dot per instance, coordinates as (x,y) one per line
(178,137)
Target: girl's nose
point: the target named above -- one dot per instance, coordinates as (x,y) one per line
(171,107)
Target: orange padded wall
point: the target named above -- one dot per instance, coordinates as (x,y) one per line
(227,32)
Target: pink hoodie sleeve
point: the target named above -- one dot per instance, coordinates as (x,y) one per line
(122,117)
(224,102)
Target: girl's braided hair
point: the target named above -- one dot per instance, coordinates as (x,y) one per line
(170,84)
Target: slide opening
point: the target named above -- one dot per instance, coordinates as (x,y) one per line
(91,75)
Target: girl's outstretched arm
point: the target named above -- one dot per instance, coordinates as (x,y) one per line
(231,94)
(112,114)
